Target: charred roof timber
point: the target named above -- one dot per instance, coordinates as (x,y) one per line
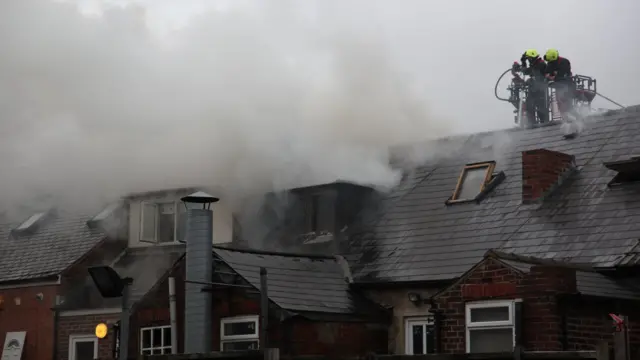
(32,223)
(475,182)
(543,171)
(628,171)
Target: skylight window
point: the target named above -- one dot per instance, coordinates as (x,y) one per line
(31,221)
(472,181)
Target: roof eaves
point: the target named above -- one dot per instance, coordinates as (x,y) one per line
(275,253)
(30,280)
(538,261)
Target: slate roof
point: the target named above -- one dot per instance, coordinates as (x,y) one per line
(58,243)
(596,284)
(299,283)
(419,238)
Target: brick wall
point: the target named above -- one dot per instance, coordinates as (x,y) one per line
(84,325)
(29,309)
(492,280)
(551,321)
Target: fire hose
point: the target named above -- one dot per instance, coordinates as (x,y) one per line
(495,90)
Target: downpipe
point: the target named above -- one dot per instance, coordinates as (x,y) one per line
(173,315)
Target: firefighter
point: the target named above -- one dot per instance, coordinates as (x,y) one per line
(535,67)
(559,71)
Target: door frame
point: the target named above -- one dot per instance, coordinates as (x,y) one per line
(73,339)
(408,335)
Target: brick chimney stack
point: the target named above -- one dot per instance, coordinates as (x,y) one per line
(543,171)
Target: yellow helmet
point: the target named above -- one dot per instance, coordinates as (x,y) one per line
(551,55)
(531,53)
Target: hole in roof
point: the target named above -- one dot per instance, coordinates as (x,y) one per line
(472,180)
(31,221)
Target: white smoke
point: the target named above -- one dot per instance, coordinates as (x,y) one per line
(247,96)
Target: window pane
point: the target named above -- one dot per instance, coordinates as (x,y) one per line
(182,223)
(167,336)
(431,345)
(491,340)
(240,328)
(84,350)
(156,338)
(418,339)
(166,222)
(240,345)
(149,222)
(490,314)
(471,183)
(146,352)
(146,338)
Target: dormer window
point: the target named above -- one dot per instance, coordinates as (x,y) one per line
(162,222)
(628,171)
(473,180)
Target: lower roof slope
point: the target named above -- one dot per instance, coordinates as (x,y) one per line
(419,238)
(299,283)
(58,243)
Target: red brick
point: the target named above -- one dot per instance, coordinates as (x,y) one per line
(541,169)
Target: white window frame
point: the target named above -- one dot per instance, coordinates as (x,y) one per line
(490,325)
(153,347)
(74,339)
(408,338)
(237,338)
(156,205)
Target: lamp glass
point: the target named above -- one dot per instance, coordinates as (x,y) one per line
(101,330)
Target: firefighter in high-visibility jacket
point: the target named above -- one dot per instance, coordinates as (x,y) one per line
(558,72)
(535,67)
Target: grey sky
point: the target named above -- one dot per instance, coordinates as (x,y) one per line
(259,95)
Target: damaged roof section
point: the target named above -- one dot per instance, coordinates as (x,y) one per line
(302,284)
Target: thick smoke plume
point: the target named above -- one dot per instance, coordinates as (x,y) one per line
(246,97)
